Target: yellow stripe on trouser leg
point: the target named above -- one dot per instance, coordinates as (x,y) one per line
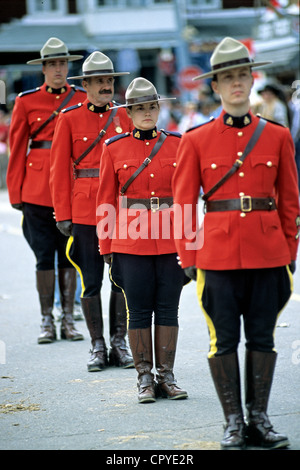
(126,305)
(211,328)
(68,248)
(292,290)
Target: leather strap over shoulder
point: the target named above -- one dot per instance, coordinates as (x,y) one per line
(145,163)
(238,163)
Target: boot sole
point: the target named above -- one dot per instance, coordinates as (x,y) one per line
(46,341)
(147,400)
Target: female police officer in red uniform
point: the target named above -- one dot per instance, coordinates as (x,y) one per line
(135,228)
(250,239)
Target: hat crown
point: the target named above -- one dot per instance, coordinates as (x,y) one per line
(141,88)
(97,62)
(53,47)
(229,50)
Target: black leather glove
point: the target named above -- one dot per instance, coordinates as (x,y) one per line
(108,258)
(292,266)
(18,206)
(65,227)
(191,272)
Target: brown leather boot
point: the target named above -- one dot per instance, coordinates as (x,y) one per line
(92,310)
(140,341)
(259,371)
(226,377)
(67,288)
(45,282)
(119,354)
(165,351)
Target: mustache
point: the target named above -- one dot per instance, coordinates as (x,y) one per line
(105,92)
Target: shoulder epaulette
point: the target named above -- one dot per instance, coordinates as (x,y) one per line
(175,134)
(116,137)
(28,92)
(75,106)
(78,88)
(269,120)
(200,125)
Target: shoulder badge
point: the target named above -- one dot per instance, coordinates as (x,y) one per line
(29,92)
(116,137)
(175,134)
(76,106)
(200,125)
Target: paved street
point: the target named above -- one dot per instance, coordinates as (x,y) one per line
(48,400)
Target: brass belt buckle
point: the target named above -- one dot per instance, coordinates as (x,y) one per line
(246,203)
(154,204)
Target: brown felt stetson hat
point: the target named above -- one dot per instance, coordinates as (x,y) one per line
(54,48)
(98,65)
(230,54)
(141,91)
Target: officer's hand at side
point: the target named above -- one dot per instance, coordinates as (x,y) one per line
(292,266)
(108,258)
(65,227)
(18,206)
(191,272)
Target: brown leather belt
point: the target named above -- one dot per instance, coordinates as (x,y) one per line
(41,144)
(86,173)
(243,204)
(154,203)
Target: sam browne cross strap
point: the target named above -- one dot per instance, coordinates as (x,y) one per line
(153,203)
(46,144)
(244,203)
(92,172)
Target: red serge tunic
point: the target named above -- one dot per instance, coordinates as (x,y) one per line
(28,173)
(235,239)
(135,231)
(76,130)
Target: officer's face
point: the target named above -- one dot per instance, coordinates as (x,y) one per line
(55,72)
(234,87)
(144,116)
(100,90)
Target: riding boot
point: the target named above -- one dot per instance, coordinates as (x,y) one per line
(165,349)
(45,282)
(226,377)
(119,354)
(259,371)
(92,310)
(140,341)
(67,288)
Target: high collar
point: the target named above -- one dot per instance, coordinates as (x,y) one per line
(237,121)
(98,109)
(56,91)
(145,135)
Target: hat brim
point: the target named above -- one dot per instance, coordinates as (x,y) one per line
(70,58)
(141,102)
(105,74)
(214,72)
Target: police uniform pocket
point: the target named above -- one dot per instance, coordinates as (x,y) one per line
(34,162)
(168,167)
(213,169)
(216,243)
(265,171)
(125,169)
